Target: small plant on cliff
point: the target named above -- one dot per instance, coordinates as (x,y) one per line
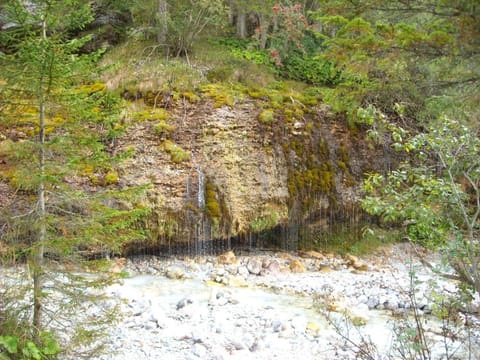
(266,116)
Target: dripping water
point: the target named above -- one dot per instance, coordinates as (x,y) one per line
(201,187)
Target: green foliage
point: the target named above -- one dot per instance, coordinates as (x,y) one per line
(14,347)
(71,118)
(434,193)
(177,25)
(310,69)
(9,343)
(412,54)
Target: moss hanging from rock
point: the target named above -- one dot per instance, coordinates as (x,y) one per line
(212,205)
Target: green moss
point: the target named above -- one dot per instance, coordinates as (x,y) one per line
(276,97)
(257,94)
(191,97)
(110,178)
(151,115)
(323,152)
(212,206)
(177,154)
(223,94)
(265,222)
(343,154)
(93,88)
(342,165)
(326,174)
(288,115)
(266,116)
(163,129)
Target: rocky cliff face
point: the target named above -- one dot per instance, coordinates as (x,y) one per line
(219,172)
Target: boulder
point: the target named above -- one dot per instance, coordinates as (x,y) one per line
(312,254)
(118,266)
(175,273)
(356,263)
(227,258)
(296,266)
(272,267)
(254,266)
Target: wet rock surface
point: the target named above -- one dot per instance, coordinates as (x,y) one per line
(261,306)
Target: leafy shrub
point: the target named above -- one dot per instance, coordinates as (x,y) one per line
(312,70)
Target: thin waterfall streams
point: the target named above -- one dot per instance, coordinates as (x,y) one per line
(275,306)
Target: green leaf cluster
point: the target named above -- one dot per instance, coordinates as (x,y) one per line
(434,193)
(12,347)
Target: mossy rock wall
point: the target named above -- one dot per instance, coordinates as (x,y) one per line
(243,179)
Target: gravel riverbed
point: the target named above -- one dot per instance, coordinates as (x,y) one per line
(272,305)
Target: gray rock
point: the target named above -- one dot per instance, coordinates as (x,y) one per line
(277,326)
(175,273)
(199,350)
(243,271)
(254,266)
(372,302)
(184,302)
(272,267)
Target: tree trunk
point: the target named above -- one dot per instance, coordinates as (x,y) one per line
(264,24)
(162,21)
(42,232)
(241,24)
(231,12)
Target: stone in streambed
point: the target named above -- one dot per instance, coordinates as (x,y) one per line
(272,267)
(356,263)
(175,273)
(296,266)
(227,258)
(199,350)
(254,266)
(184,302)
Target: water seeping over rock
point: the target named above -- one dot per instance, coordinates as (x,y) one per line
(246,184)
